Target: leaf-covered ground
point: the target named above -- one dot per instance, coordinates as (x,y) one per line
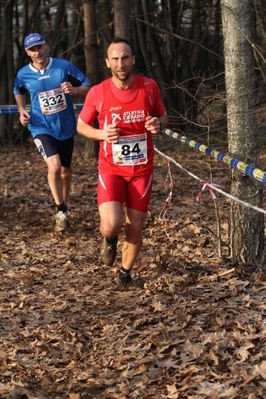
(196,330)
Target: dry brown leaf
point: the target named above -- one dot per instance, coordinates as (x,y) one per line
(242,353)
(260,369)
(66,330)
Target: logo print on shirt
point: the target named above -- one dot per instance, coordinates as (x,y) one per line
(116,118)
(137,115)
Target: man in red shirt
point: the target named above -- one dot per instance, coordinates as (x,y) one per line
(129,110)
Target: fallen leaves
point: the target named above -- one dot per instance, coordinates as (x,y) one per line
(196,330)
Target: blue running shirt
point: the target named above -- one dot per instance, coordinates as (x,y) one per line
(51,109)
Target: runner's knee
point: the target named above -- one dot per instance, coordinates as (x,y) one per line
(110,230)
(54,169)
(65,174)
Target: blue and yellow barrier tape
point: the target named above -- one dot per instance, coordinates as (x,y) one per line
(249,170)
(13,109)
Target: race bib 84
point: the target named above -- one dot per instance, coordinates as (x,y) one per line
(130,150)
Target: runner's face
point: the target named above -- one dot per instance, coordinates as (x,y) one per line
(120,60)
(38,55)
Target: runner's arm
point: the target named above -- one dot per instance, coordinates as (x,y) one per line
(24,116)
(109,134)
(163,122)
(80,91)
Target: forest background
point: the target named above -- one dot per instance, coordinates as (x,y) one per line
(178,43)
(208,58)
(197,329)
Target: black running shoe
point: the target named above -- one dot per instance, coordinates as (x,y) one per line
(127,283)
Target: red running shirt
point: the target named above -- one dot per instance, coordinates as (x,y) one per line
(128,108)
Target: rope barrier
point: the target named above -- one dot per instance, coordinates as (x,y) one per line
(13,109)
(249,170)
(211,186)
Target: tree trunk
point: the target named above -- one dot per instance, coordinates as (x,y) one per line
(122,18)
(106,32)
(246,225)
(7,71)
(59,41)
(160,69)
(92,66)
(143,53)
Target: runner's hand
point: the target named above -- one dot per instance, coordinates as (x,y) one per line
(153,124)
(110,133)
(68,88)
(24,117)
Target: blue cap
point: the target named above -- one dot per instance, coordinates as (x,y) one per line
(34,39)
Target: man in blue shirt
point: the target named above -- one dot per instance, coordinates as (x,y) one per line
(50,83)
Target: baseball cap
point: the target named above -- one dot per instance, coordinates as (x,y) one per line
(34,39)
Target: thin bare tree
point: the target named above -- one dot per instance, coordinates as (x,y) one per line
(92,64)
